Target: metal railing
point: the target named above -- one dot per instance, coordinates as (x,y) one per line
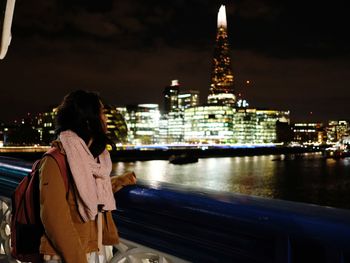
(168,223)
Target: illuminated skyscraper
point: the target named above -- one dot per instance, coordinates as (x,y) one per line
(170,96)
(221,88)
(189,98)
(209,124)
(117,129)
(143,123)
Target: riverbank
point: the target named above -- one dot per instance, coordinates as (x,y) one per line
(159,154)
(145,155)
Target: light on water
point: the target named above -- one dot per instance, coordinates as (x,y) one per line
(305,178)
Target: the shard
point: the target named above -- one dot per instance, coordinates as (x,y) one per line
(222,81)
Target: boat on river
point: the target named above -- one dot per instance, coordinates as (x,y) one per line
(183,159)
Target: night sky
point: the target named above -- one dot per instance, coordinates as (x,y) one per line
(295,53)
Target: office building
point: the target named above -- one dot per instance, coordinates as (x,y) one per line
(209,124)
(170,94)
(143,123)
(117,130)
(336,130)
(309,133)
(189,98)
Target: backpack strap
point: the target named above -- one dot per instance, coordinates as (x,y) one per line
(35,166)
(60,158)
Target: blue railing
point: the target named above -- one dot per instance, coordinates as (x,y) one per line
(206,226)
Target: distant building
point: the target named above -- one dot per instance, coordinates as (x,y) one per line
(309,133)
(257,126)
(171,129)
(222,82)
(143,123)
(163,136)
(284,132)
(176,118)
(244,126)
(209,124)
(117,130)
(171,96)
(189,98)
(22,133)
(266,126)
(336,130)
(45,125)
(176,99)
(175,127)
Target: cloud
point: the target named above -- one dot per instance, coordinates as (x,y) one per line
(94,24)
(258,9)
(34,17)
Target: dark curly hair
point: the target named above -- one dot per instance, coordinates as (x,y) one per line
(80,111)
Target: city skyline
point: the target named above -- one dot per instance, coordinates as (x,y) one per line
(292,57)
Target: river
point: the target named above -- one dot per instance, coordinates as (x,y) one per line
(304,178)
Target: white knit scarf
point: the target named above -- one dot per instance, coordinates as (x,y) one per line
(91,176)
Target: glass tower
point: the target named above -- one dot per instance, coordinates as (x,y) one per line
(221,87)
(170,96)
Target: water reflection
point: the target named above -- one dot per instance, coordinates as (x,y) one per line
(305,178)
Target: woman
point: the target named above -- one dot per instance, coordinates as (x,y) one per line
(78,223)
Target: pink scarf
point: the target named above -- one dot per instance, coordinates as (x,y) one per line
(92,178)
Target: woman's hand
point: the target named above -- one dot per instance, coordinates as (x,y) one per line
(119,181)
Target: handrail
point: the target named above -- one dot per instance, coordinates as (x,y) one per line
(208,226)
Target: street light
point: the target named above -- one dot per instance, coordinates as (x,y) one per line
(6,27)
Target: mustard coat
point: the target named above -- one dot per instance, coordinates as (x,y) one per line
(66,234)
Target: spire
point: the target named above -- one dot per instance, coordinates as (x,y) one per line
(222,22)
(222,80)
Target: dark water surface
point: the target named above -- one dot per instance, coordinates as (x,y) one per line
(304,178)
